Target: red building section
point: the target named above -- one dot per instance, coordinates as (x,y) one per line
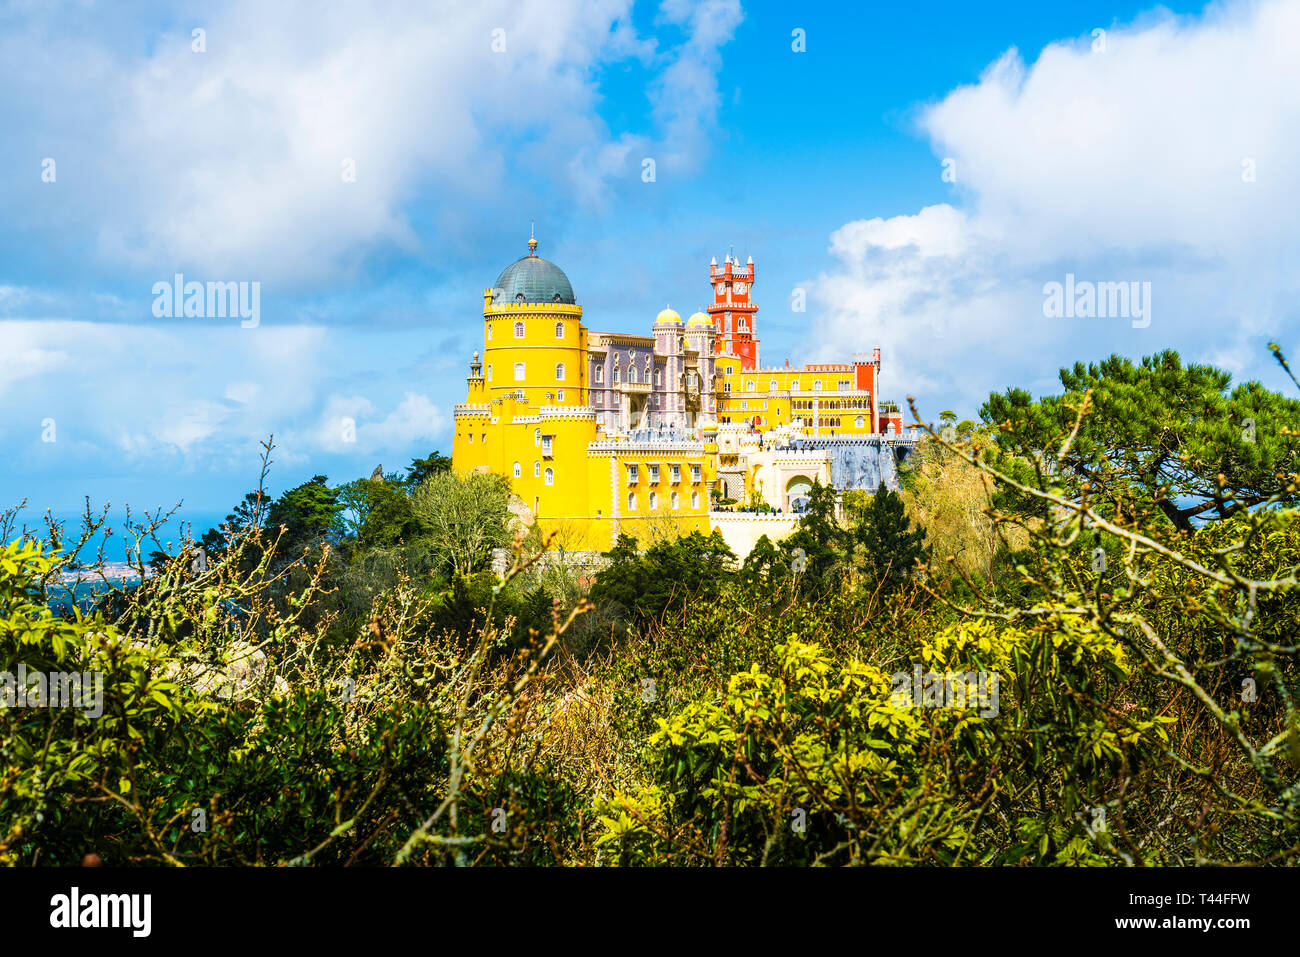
(733,312)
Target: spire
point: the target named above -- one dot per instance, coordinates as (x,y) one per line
(532,239)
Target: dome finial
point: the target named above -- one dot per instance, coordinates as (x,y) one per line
(532,239)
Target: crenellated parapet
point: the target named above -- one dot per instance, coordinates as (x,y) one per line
(684,449)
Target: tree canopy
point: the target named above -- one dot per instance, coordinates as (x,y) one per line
(1158,435)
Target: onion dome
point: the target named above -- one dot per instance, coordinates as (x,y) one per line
(668,318)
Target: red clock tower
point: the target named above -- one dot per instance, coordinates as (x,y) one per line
(732,312)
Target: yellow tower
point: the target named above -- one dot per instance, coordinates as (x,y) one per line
(534,340)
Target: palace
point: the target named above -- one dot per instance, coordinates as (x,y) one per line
(602,433)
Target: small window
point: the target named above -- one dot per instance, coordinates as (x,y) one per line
(559,372)
(616,375)
(631,501)
(695,473)
(658,378)
(489,373)
(794,386)
(537,437)
(549,479)
(695,500)
(546,446)
(726,387)
(559,395)
(600,375)
(518,470)
(654,473)
(817,385)
(633,475)
(749,386)
(859,422)
(631,374)
(845,385)
(771,386)
(674,502)
(489,325)
(559,330)
(654,501)
(519,372)
(471,438)
(519,330)
(537,469)
(677,473)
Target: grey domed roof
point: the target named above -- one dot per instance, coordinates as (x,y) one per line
(532,279)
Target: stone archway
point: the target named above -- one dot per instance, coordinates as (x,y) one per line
(796,493)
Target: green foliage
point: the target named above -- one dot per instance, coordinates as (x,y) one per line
(815,548)
(421,470)
(675,574)
(464,517)
(889,544)
(310,514)
(1157,435)
(1083,687)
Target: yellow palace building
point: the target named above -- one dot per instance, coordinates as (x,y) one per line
(607,433)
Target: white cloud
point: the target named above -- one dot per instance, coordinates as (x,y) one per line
(1121,165)
(230,161)
(168,409)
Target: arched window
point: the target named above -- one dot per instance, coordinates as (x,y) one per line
(537,469)
(794,386)
(771,386)
(519,330)
(631,374)
(519,372)
(817,385)
(616,375)
(550,476)
(600,375)
(674,500)
(749,386)
(658,378)
(859,422)
(518,470)
(489,373)
(559,372)
(559,330)
(489,332)
(695,500)
(654,501)
(537,436)
(631,501)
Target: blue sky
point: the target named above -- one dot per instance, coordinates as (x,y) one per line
(1118,163)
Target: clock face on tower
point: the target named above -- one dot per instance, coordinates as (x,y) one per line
(722,288)
(740,288)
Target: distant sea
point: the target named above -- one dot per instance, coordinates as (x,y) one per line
(184,522)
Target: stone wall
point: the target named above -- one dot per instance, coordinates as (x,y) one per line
(742,530)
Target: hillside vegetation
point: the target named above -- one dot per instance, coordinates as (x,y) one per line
(1103,580)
